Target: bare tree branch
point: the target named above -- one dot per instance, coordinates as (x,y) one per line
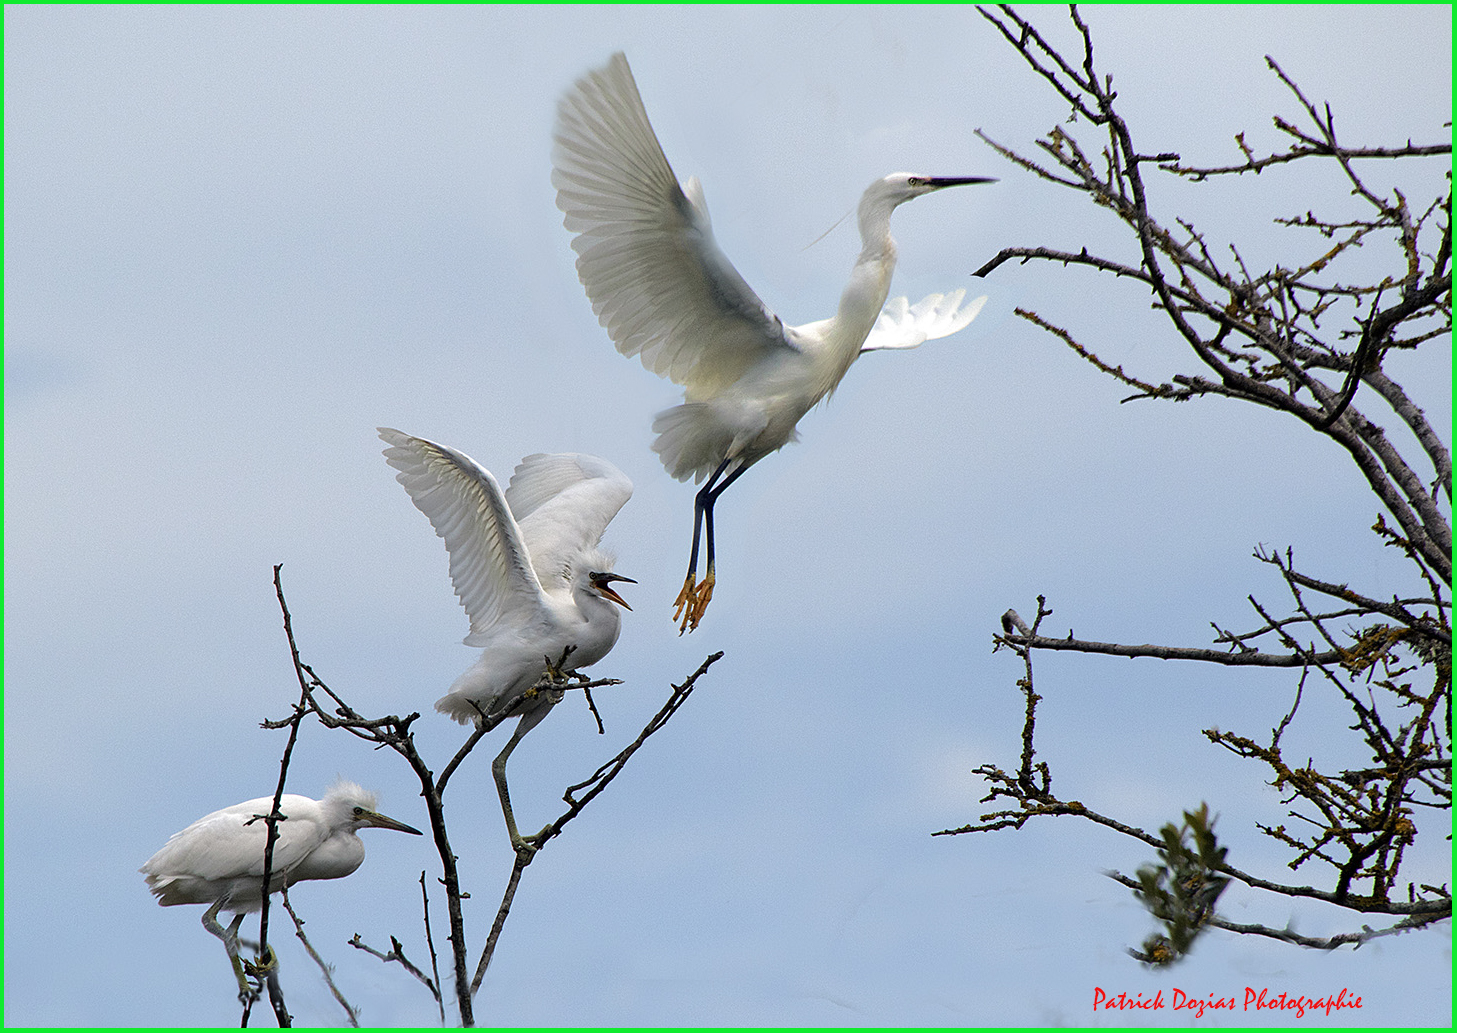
(598,781)
(1266,342)
(1265,338)
(394,732)
(324,967)
(397,954)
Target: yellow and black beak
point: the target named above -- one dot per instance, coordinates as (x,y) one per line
(603,584)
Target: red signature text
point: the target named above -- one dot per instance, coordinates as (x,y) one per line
(1256,1000)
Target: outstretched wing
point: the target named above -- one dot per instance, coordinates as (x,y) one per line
(563,503)
(489,562)
(645,248)
(903,325)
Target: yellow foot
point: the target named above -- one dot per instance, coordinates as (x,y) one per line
(701,597)
(687,600)
(265,964)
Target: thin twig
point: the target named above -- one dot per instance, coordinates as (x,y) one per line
(430,942)
(598,781)
(394,732)
(521,860)
(1265,344)
(397,954)
(326,969)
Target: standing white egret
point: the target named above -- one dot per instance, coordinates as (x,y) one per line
(218,859)
(664,291)
(526,567)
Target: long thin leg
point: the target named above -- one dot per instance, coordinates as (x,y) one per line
(704,592)
(498,769)
(246,992)
(688,594)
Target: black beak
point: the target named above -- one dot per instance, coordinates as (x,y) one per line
(603,582)
(956,181)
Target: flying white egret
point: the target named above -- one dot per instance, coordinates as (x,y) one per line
(665,292)
(218,859)
(526,567)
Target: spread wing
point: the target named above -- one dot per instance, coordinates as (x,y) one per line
(489,562)
(645,249)
(902,325)
(563,503)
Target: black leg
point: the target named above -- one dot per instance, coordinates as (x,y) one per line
(694,599)
(712,498)
(686,604)
(703,502)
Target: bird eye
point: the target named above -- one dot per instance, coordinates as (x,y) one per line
(358,811)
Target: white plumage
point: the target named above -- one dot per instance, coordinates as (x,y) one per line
(218,859)
(527,569)
(665,292)
(903,325)
(525,565)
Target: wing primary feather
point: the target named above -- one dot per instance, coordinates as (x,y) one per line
(490,566)
(654,275)
(903,325)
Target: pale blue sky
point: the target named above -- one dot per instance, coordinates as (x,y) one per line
(238,239)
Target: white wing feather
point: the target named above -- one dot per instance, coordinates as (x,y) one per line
(563,503)
(657,280)
(902,325)
(228,843)
(490,566)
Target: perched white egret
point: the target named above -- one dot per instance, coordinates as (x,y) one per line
(665,292)
(218,859)
(527,569)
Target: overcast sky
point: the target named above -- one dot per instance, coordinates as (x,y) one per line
(237,240)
